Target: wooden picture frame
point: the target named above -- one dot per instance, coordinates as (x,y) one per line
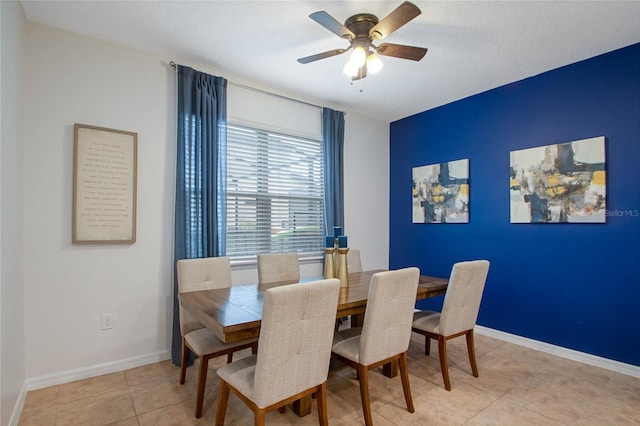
(104,185)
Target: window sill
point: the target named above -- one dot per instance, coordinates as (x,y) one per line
(251,262)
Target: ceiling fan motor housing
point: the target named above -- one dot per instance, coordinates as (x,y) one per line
(361,24)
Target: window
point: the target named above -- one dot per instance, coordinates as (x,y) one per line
(274,192)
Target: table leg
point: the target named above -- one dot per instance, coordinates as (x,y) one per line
(302,407)
(357,320)
(390,369)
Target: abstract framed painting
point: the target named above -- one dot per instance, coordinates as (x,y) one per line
(561,183)
(441,193)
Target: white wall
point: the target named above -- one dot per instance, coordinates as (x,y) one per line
(12,350)
(366,189)
(72,79)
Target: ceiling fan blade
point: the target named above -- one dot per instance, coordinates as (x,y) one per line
(330,23)
(322,55)
(400,16)
(402,51)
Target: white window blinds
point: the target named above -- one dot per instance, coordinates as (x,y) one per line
(274,192)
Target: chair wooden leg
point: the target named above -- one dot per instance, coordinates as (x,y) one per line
(444,366)
(404,376)
(321,397)
(223,399)
(254,349)
(427,345)
(472,353)
(202,380)
(229,357)
(183,362)
(363,377)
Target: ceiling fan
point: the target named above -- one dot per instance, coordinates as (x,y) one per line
(362,30)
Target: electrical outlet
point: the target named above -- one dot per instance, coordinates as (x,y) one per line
(106,322)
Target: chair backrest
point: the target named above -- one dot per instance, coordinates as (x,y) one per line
(386,329)
(200,274)
(277,269)
(462,300)
(354,264)
(294,347)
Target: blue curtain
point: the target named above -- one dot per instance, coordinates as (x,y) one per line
(200,203)
(333,138)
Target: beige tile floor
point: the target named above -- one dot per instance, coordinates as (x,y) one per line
(517,386)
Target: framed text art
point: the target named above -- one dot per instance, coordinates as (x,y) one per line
(104,185)
(562,183)
(441,193)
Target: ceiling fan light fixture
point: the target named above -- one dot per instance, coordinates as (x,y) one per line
(374,64)
(350,69)
(358,56)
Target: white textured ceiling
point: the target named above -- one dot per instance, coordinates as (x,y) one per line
(473,45)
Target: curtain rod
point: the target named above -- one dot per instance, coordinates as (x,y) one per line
(243,86)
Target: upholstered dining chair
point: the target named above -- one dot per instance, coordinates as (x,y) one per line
(276,269)
(459,313)
(204,274)
(385,332)
(354,264)
(294,351)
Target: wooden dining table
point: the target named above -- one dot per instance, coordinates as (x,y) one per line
(234,313)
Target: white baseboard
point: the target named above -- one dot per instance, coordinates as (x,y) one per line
(17,409)
(95,370)
(585,358)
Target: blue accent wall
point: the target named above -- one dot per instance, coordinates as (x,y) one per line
(571,285)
